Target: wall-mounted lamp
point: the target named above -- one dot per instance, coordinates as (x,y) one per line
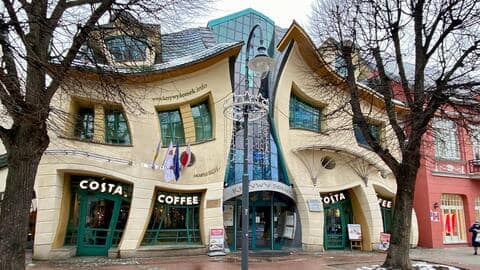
(435,205)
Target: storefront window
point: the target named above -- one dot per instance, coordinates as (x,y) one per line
(203,122)
(454,229)
(174,220)
(116,128)
(171,127)
(99,211)
(386,209)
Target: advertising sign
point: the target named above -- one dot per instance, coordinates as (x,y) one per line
(384,241)
(228,215)
(434,216)
(354,232)
(217,242)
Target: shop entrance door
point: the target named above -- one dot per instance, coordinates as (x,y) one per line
(98,218)
(261,227)
(337,216)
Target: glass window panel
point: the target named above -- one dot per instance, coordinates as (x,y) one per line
(84,126)
(446,140)
(303,115)
(453,218)
(203,122)
(127,48)
(171,127)
(116,128)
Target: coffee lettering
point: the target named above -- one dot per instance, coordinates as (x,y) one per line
(83,184)
(94,185)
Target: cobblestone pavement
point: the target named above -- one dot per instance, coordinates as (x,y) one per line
(346,260)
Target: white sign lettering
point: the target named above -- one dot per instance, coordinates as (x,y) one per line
(177,200)
(333,198)
(384,203)
(103,187)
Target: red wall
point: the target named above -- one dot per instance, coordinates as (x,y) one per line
(430,187)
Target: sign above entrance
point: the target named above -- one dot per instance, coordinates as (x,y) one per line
(258,185)
(315,206)
(384,203)
(104,187)
(177,199)
(333,198)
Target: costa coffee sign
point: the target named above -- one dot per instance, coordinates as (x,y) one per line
(333,198)
(104,187)
(177,199)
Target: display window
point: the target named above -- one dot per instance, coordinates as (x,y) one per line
(453,217)
(477,208)
(387,213)
(175,219)
(99,211)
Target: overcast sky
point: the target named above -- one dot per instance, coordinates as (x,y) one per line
(282,12)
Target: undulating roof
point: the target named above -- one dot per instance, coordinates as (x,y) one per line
(186,42)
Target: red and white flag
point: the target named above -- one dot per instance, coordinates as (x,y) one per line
(186,156)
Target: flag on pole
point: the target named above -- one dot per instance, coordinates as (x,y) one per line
(186,156)
(156,155)
(176,163)
(167,165)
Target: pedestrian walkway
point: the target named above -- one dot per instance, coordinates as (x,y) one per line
(345,260)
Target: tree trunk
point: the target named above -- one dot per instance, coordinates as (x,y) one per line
(398,256)
(25,146)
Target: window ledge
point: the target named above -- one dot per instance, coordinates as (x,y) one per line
(311,130)
(92,141)
(450,160)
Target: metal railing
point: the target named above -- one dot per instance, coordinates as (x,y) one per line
(474,166)
(68,152)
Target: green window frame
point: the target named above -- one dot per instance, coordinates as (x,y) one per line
(303,115)
(84,126)
(203,122)
(171,224)
(116,128)
(374,129)
(171,126)
(127,48)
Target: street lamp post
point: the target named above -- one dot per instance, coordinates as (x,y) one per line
(245,107)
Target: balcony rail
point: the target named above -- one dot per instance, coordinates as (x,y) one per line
(474,166)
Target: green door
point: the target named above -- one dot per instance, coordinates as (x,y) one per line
(337,216)
(98,218)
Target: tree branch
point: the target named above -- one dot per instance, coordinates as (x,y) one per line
(77,42)
(14,19)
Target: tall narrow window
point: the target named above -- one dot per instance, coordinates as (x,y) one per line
(475,138)
(446,140)
(303,115)
(203,122)
(127,48)
(477,208)
(84,124)
(171,127)
(116,128)
(373,129)
(454,230)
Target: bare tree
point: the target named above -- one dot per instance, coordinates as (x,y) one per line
(40,42)
(442,39)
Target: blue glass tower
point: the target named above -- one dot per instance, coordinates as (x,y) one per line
(265,160)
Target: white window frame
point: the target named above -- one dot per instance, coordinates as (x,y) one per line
(446,139)
(453,203)
(475,140)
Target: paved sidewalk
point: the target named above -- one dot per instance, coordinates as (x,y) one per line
(346,260)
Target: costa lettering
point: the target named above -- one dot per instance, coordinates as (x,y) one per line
(328,199)
(103,187)
(384,203)
(177,200)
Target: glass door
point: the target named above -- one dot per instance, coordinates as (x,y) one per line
(263,223)
(98,218)
(337,216)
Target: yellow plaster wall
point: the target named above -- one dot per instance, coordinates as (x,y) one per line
(210,156)
(315,90)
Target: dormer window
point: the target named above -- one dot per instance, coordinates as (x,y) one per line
(127,48)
